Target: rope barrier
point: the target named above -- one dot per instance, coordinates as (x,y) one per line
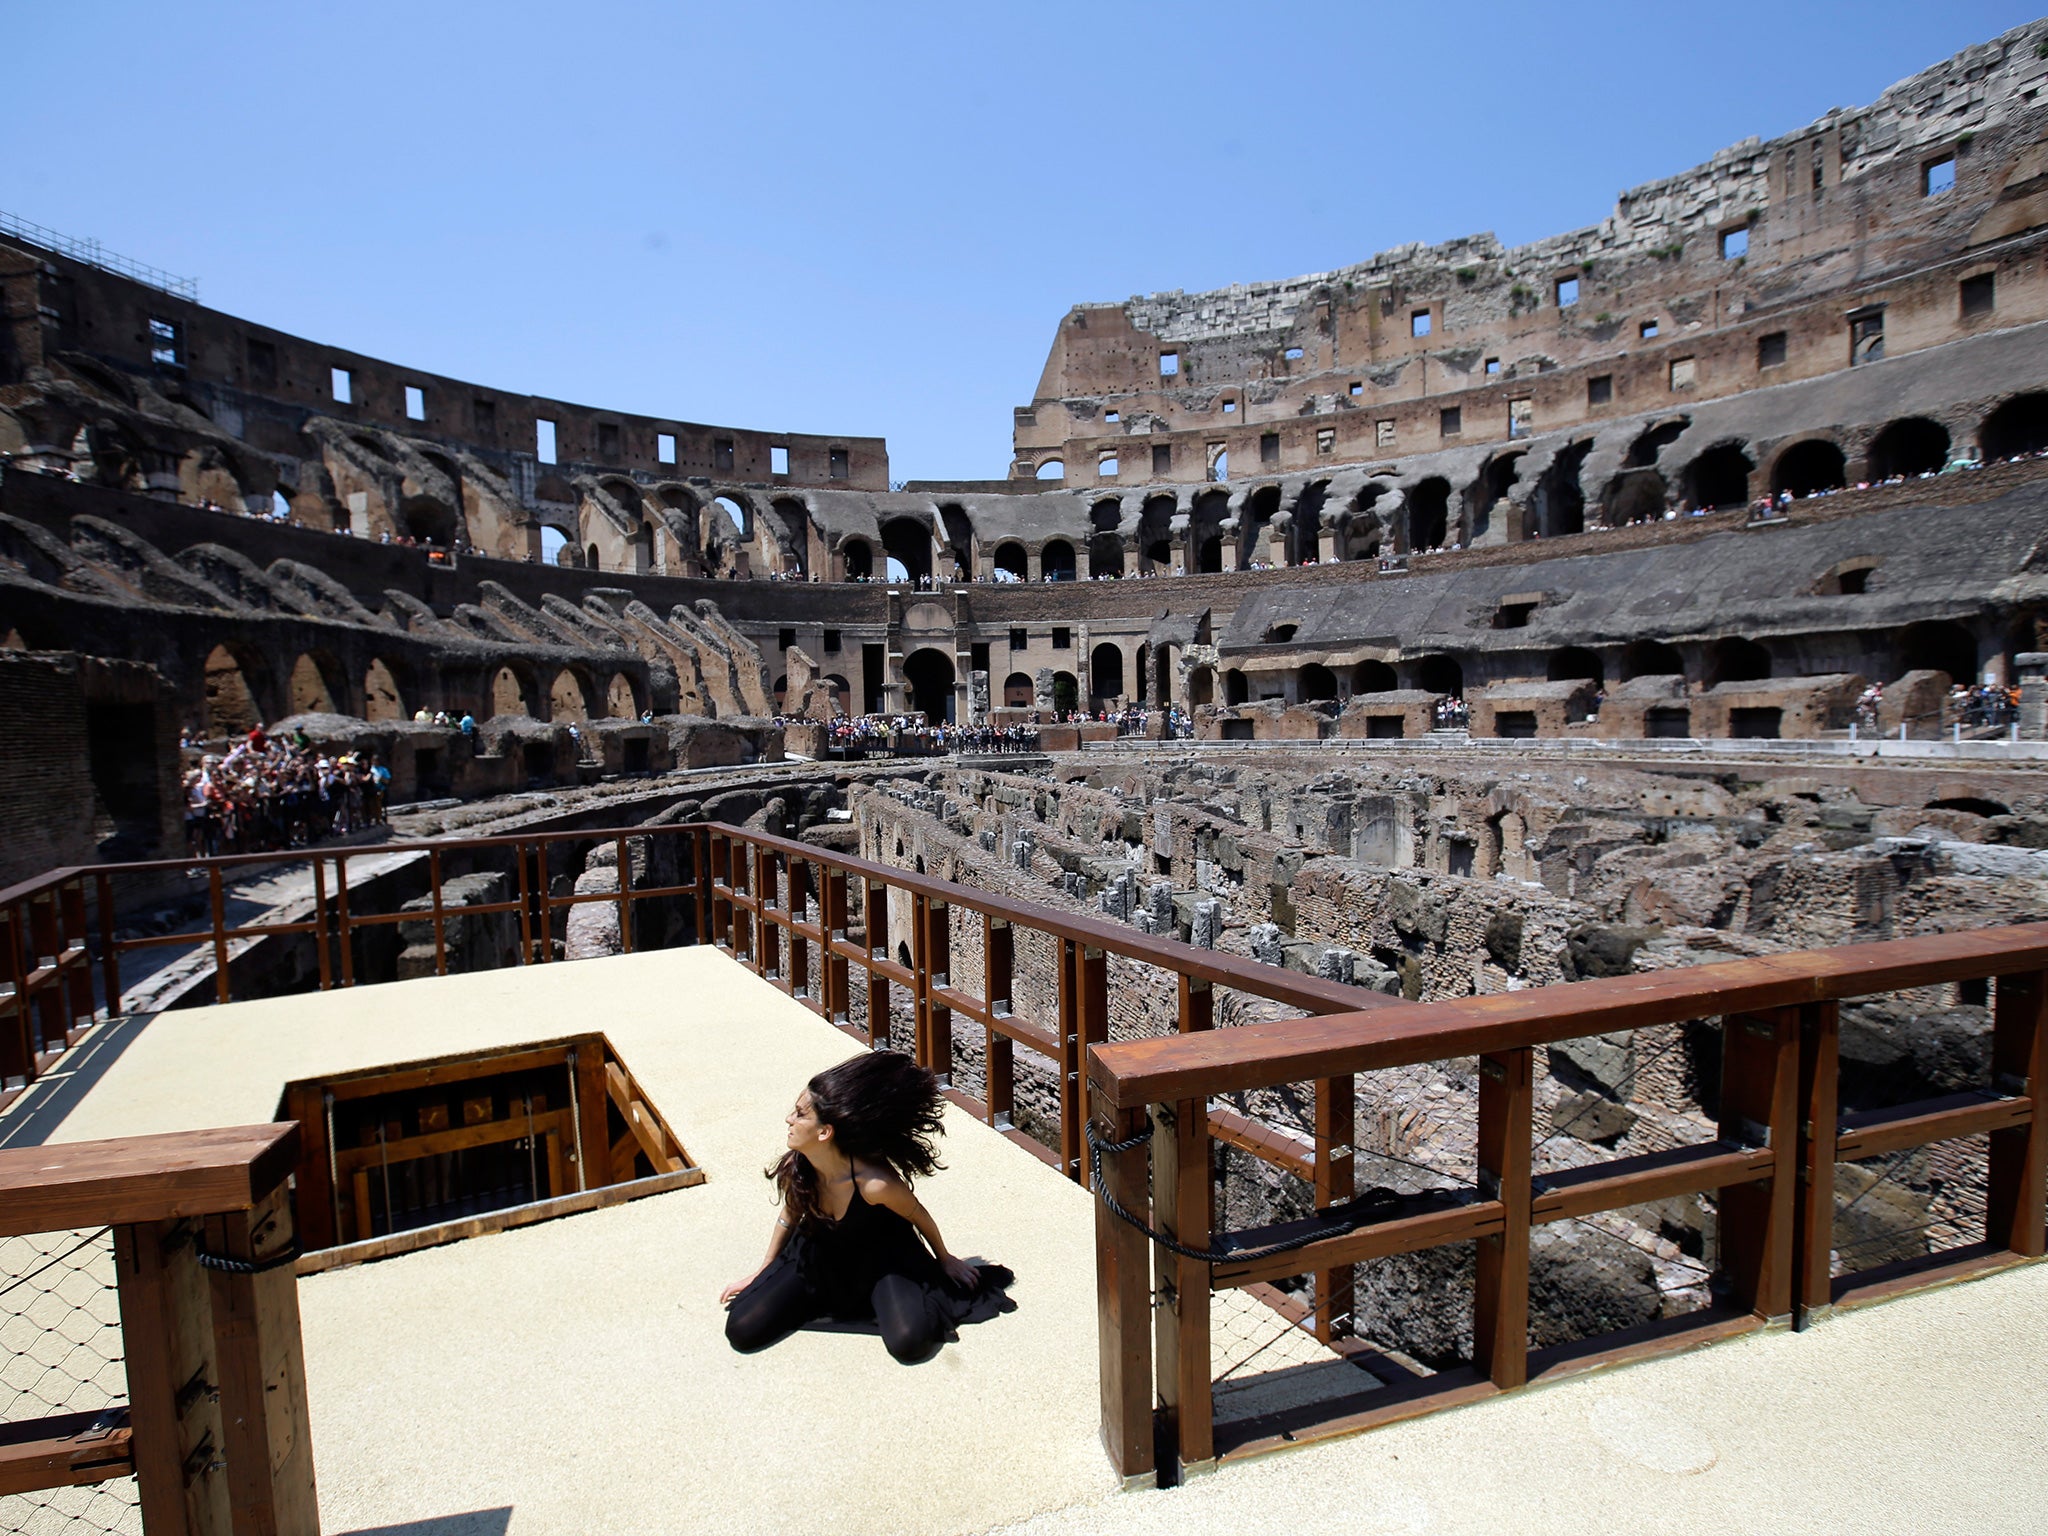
(228,1266)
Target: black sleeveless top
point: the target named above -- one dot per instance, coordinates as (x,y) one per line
(842,1261)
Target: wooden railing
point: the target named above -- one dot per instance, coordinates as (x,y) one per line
(1772,1168)
(215,1428)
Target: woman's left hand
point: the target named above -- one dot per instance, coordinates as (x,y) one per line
(960,1272)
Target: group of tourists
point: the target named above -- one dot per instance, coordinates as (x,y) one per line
(913,736)
(269,792)
(1452,714)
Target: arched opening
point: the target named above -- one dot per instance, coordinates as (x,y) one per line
(1105,676)
(1141,671)
(908,544)
(590,559)
(1939,646)
(1201,686)
(959,541)
(1560,501)
(308,693)
(1056,560)
(1807,468)
(781,691)
(1315,683)
(929,674)
(1304,538)
(231,708)
(1974,805)
(1066,693)
(860,560)
(1017,691)
(1634,497)
(619,700)
(1642,453)
(1258,512)
(643,548)
(1912,446)
(1209,555)
(507,696)
(1719,477)
(845,692)
(735,514)
(1235,689)
(1486,492)
(1575,661)
(1154,533)
(1373,677)
(1010,560)
(429,521)
(1736,660)
(552,542)
(1651,658)
(1106,555)
(2019,426)
(381,698)
(1441,674)
(1429,507)
(567,701)
(1052,469)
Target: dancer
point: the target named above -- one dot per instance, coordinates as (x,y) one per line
(852,1242)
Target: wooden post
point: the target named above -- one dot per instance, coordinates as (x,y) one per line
(1813,1222)
(2018,1185)
(591,1127)
(217,910)
(17,1045)
(440,921)
(110,959)
(833,918)
(1336,1113)
(624,854)
(1123,1278)
(938,964)
(77,976)
(700,858)
(1180,1163)
(1500,1328)
(1197,1004)
(1084,1021)
(799,911)
(875,921)
(768,938)
(1760,1107)
(998,962)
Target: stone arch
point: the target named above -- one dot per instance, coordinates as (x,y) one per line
(907,541)
(1635,496)
(1201,686)
(1429,506)
(1575,661)
(1938,645)
(1304,534)
(1010,559)
(1373,677)
(1315,683)
(1719,477)
(1237,689)
(1050,469)
(1652,441)
(1441,674)
(928,677)
(512,691)
(1910,446)
(1651,658)
(1056,560)
(959,539)
(1106,554)
(1489,489)
(1559,504)
(1155,534)
(1260,508)
(590,560)
(569,697)
(1105,674)
(311,689)
(1066,693)
(2017,426)
(1733,659)
(1808,466)
(858,559)
(1017,691)
(621,698)
(382,698)
(231,704)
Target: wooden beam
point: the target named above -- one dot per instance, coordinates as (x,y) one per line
(142,1178)
(65,1450)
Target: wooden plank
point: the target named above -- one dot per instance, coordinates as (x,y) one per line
(1429,1227)
(1165,1068)
(1500,1326)
(642,1125)
(65,1450)
(1268,1143)
(1876,1132)
(1813,1222)
(1123,1284)
(1651,1176)
(1664,1336)
(516,1127)
(587,1133)
(142,1178)
(2016,1202)
(416,1238)
(1180,1181)
(1924,1272)
(1760,1102)
(407,1076)
(1336,1113)
(1351,1414)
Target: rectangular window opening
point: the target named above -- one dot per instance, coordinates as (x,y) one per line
(1770,350)
(1106,467)
(1521,417)
(1600,389)
(1269,447)
(1018,640)
(1684,372)
(664,447)
(1450,421)
(1419,323)
(1062,639)
(785,639)
(1229,407)
(1938,176)
(1111,418)
(831,642)
(415,403)
(1647,329)
(262,364)
(608,441)
(1866,336)
(1162,458)
(1326,440)
(1218,455)
(163,343)
(1734,243)
(1356,389)
(1978,295)
(836,464)
(483,415)
(721,455)
(544,439)
(778,459)
(1493,365)
(1169,364)
(1567,292)
(342,385)
(1383,433)
(1292,354)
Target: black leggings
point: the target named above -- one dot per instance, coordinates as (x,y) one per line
(779,1303)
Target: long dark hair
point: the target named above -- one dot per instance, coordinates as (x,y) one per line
(883,1108)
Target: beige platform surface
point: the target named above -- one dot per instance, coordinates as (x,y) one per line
(572,1377)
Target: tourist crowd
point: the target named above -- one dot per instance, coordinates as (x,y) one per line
(271,792)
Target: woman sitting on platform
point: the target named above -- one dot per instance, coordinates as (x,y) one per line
(853,1243)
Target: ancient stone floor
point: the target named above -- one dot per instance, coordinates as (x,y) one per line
(572,1377)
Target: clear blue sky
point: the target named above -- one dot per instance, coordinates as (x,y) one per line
(863,218)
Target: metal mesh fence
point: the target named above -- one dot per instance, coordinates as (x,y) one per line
(60,1352)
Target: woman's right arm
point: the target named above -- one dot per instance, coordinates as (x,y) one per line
(777,1236)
